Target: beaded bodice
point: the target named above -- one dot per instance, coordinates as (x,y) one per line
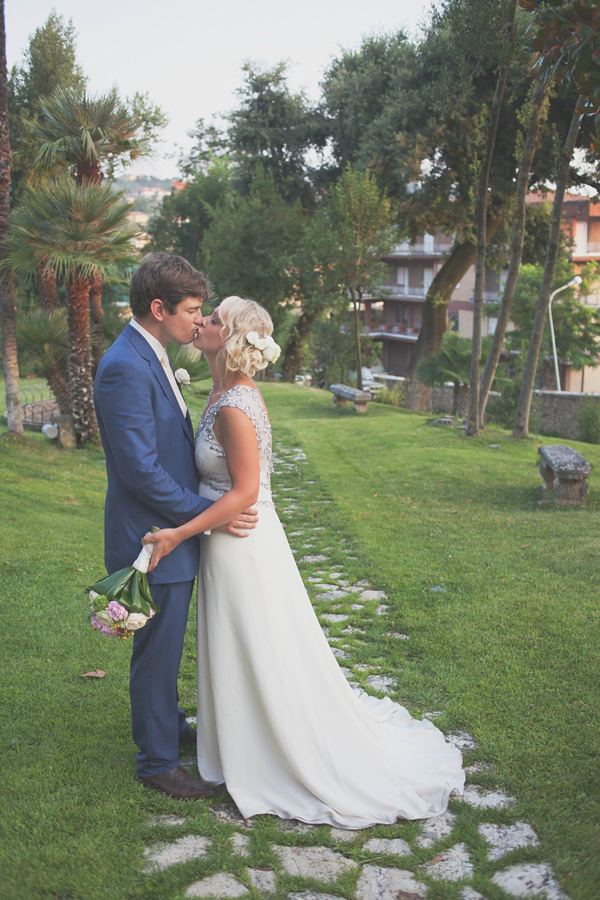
(210,456)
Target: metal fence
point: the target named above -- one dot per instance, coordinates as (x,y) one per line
(39,407)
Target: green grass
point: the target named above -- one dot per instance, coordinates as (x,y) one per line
(508,650)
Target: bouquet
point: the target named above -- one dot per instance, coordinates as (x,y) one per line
(121,603)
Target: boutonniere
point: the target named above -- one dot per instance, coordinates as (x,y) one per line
(183,376)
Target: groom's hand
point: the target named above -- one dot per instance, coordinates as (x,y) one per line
(243,524)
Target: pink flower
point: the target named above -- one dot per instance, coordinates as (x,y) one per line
(105,629)
(117,611)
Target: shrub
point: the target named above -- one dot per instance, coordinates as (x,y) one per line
(588,417)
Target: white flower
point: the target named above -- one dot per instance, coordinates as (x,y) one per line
(183,376)
(260,344)
(135,621)
(269,353)
(104,617)
(266,345)
(276,353)
(252,337)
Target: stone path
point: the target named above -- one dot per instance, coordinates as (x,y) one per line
(477,849)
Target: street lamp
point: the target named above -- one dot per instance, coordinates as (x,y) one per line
(571,283)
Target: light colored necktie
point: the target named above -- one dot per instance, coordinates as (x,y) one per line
(169,373)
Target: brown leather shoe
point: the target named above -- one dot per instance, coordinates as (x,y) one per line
(189,738)
(180,784)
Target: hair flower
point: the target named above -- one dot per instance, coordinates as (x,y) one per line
(266,345)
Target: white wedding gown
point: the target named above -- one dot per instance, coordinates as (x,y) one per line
(277,720)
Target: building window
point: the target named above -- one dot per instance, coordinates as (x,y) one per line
(453,322)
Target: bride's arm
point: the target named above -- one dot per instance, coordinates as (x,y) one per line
(235,432)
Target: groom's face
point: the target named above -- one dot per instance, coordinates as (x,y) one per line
(182,325)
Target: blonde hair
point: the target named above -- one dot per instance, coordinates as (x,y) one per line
(241,317)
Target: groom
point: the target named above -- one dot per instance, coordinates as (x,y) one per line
(148,441)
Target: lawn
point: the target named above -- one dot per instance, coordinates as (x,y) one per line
(497,591)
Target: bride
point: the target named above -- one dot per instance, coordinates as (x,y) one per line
(277,720)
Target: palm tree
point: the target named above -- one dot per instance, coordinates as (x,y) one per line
(8,314)
(450,363)
(86,134)
(44,334)
(79,232)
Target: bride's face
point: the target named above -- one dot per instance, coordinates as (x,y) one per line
(209,337)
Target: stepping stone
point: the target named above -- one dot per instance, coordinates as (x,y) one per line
(314,862)
(334,617)
(478,768)
(373,595)
(297,534)
(312,895)
(293,827)
(339,653)
(468,893)
(220,885)
(333,595)
(388,846)
(504,838)
(241,845)
(481,799)
(167,820)
(398,636)
(381,883)
(161,856)
(328,587)
(436,829)
(263,880)
(381,683)
(462,740)
(363,667)
(313,558)
(381,610)
(451,865)
(348,673)
(433,715)
(530,880)
(344,834)
(231,815)
(356,606)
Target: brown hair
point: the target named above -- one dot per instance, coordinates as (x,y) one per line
(164,277)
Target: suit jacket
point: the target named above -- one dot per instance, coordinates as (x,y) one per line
(149,449)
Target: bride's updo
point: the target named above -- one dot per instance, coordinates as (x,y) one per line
(247,343)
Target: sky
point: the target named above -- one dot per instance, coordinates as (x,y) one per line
(188,55)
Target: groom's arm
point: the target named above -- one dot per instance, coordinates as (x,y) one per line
(124,403)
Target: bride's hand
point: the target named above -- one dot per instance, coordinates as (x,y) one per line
(165,540)
(243,524)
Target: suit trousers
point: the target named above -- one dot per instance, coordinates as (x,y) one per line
(157,720)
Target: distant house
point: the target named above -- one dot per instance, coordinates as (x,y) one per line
(394,315)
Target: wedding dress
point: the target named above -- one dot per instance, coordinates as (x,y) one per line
(277,720)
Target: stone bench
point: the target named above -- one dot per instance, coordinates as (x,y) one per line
(566,472)
(342,393)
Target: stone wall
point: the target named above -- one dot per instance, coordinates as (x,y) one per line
(555,412)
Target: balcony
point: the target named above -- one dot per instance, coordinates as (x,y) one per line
(401,290)
(437,247)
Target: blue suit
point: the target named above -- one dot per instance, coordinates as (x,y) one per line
(152,480)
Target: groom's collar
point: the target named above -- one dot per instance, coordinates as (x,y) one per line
(154,342)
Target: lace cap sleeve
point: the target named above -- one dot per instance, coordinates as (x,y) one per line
(249,400)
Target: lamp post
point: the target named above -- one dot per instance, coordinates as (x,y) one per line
(571,283)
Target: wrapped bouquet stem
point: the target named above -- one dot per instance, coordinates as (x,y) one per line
(122,603)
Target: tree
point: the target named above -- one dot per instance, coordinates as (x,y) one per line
(483,182)
(359,216)
(249,242)
(275,129)
(185,215)
(8,314)
(576,326)
(452,362)
(521,426)
(537,111)
(79,231)
(49,62)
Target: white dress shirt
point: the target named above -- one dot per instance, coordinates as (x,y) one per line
(161,353)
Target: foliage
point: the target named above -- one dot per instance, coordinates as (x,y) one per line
(248,244)
(275,129)
(576,326)
(184,216)
(79,231)
(588,419)
(450,363)
(86,134)
(566,35)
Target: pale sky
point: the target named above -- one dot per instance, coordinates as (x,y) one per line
(188,55)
